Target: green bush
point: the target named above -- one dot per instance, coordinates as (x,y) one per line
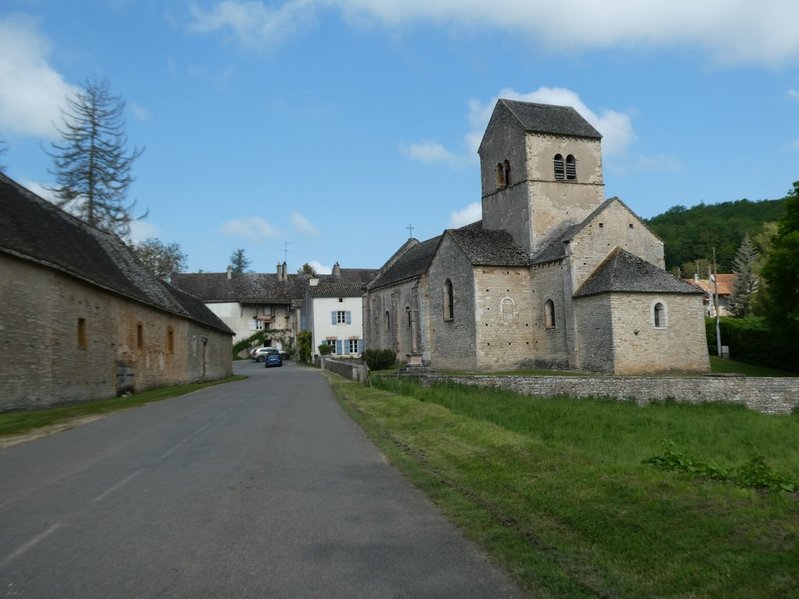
(304,345)
(379,359)
(753,341)
(325,349)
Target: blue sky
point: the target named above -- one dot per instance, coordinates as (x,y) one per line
(319,130)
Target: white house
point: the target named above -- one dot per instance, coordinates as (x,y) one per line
(333,311)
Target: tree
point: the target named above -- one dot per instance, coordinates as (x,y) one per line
(161,259)
(307,269)
(781,269)
(744,266)
(239,261)
(91,163)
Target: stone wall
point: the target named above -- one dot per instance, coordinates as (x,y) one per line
(354,371)
(64,341)
(767,395)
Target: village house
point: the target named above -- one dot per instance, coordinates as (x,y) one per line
(333,312)
(250,302)
(719,289)
(553,275)
(82,319)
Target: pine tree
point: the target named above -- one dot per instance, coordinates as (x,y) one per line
(239,261)
(746,280)
(91,163)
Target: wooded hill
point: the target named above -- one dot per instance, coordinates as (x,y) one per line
(691,233)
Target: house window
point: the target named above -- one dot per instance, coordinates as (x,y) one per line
(259,324)
(387,320)
(449,301)
(560,172)
(659,314)
(341,317)
(170,340)
(408,315)
(83,339)
(571,168)
(352,346)
(139,336)
(549,314)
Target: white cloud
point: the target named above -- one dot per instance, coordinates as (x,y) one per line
(793,94)
(473,212)
(253,228)
(728,31)
(303,225)
(795,144)
(320,268)
(139,111)
(430,152)
(31,91)
(141,230)
(254,24)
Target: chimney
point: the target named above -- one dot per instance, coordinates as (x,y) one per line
(696,277)
(279,272)
(336,270)
(285,274)
(229,271)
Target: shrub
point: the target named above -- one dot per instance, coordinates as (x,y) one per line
(325,349)
(753,341)
(304,345)
(379,359)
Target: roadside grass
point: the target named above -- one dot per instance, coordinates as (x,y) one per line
(557,491)
(16,423)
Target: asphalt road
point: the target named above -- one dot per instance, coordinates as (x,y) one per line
(259,488)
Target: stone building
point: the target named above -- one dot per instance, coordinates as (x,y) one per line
(82,319)
(553,276)
(251,302)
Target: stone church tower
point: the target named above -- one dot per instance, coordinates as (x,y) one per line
(527,152)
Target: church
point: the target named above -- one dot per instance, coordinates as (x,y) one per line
(553,276)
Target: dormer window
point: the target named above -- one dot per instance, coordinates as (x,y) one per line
(571,168)
(560,171)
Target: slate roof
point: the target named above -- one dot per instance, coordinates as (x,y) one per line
(413,263)
(244,288)
(35,230)
(546,118)
(337,289)
(484,247)
(622,271)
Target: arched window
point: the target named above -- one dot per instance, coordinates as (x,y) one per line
(571,168)
(408,314)
(388,321)
(549,314)
(507,309)
(501,176)
(506,171)
(560,173)
(449,302)
(659,314)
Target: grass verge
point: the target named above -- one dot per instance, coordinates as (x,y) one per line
(557,491)
(16,423)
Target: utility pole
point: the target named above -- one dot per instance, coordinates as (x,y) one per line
(716,304)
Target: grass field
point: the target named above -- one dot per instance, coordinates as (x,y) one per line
(557,490)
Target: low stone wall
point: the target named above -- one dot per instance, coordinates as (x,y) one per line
(767,395)
(354,371)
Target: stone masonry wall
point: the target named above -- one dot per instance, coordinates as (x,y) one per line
(767,395)
(64,341)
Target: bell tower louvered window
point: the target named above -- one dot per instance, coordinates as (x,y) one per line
(571,168)
(560,171)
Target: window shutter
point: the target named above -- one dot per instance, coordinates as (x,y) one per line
(349,317)
(333,317)
(338,346)
(346,346)
(253,324)
(360,346)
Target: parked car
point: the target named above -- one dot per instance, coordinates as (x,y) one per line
(259,354)
(273,359)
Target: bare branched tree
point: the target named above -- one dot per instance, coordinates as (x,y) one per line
(91,163)
(161,259)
